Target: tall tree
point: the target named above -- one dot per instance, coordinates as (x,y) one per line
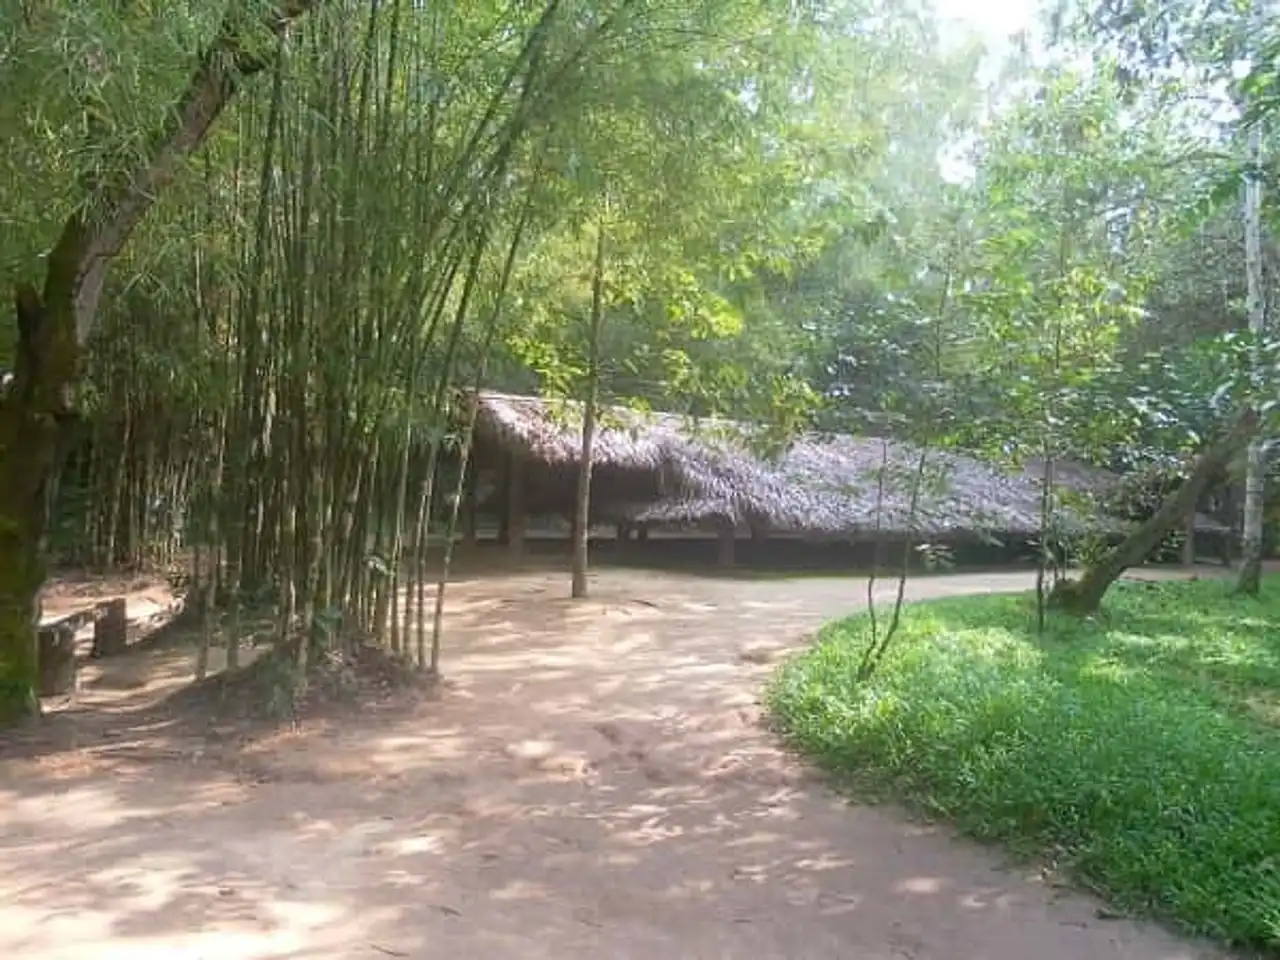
(1250,579)
(55,320)
(582,506)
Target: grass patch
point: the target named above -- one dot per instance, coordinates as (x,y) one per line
(1139,753)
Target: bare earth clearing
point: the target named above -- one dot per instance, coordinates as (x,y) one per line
(593,782)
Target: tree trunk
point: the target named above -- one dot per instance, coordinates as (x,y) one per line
(20,578)
(582,507)
(34,409)
(36,406)
(1250,580)
(1084,596)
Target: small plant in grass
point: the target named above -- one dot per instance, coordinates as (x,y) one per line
(1139,753)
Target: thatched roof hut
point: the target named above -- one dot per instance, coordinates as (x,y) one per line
(668,470)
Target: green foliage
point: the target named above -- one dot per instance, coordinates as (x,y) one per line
(1139,753)
(410,205)
(703,168)
(1139,495)
(1062,228)
(85,85)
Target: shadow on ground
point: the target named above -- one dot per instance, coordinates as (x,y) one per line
(593,780)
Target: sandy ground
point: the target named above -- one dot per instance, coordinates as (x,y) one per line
(592,782)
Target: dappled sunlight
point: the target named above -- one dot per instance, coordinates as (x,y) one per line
(921,885)
(594,784)
(689,888)
(522,890)
(823,863)
(991,899)
(294,932)
(1104,667)
(451,743)
(1232,650)
(1119,756)
(111,877)
(92,808)
(653,829)
(411,846)
(1265,708)
(760,838)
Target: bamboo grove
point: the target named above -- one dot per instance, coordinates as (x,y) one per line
(270,400)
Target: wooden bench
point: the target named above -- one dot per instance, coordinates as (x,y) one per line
(56,642)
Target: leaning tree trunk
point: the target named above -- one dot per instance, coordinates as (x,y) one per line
(1250,580)
(582,506)
(1084,596)
(37,405)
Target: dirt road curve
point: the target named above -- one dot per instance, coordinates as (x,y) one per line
(594,784)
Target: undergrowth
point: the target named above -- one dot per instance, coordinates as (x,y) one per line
(1138,753)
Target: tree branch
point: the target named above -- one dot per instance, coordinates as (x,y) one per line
(94,235)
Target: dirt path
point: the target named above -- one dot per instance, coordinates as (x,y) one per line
(593,784)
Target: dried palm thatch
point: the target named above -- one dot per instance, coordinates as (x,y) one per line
(550,431)
(712,472)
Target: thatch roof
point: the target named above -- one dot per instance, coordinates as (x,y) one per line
(710,472)
(551,430)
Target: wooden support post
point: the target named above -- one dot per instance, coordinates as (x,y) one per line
(470,484)
(111,629)
(1189,542)
(725,546)
(642,533)
(504,501)
(57,659)
(515,506)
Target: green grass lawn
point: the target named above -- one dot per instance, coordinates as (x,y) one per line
(1140,754)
